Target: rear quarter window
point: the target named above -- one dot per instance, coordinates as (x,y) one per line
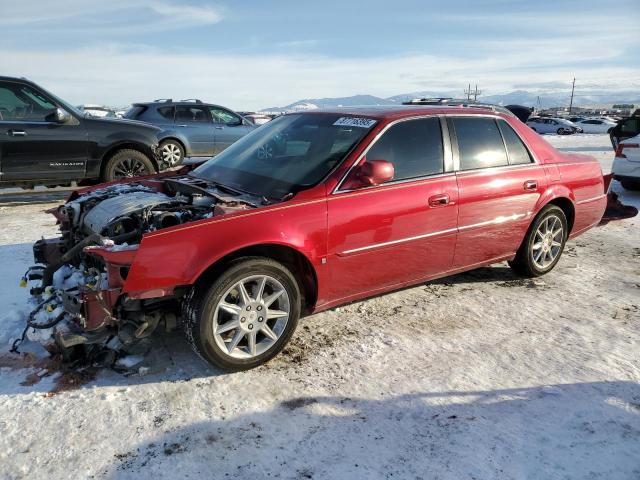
(480,143)
(516,149)
(134,111)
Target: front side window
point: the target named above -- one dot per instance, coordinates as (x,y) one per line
(288,154)
(188,114)
(220,115)
(480,144)
(19,102)
(414,147)
(518,153)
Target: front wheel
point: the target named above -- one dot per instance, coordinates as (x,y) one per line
(561,131)
(246,316)
(543,244)
(127,163)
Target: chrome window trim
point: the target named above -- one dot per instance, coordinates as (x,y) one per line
(495,117)
(337,190)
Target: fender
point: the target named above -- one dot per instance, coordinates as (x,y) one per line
(552,192)
(178,256)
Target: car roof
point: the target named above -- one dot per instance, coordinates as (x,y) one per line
(393,112)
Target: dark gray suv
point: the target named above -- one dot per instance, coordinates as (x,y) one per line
(191,128)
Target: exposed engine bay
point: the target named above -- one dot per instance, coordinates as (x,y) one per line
(76,284)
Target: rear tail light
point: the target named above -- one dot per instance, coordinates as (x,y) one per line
(622,146)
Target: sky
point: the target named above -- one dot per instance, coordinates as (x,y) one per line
(251,54)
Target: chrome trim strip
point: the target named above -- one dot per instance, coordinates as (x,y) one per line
(495,221)
(402,240)
(373,188)
(592,199)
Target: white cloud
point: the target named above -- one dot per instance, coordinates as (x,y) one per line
(118,75)
(107,17)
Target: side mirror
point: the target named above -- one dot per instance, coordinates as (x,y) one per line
(371,172)
(59,115)
(234,123)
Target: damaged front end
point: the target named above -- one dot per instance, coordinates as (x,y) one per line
(77,283)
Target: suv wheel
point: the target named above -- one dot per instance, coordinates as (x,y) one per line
(126,164)
(543,244)
(172,153)
(246,316)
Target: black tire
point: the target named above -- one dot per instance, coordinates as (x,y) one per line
(524,263)
(127,163)
(200,304)
(627,185)
(169,157)
(560,131)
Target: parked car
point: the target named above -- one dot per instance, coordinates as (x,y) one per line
(191,128)
(44,140)
(626,164)
(97,111)
(559,126)
(310,211)
(594,125)
(626,128)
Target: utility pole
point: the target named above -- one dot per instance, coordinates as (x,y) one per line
(468,92)
(573,87)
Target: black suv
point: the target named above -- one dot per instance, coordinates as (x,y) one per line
(191,128)
(44,140)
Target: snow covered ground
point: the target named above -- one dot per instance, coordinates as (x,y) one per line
(479,376)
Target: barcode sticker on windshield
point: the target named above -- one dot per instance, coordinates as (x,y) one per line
(355,122)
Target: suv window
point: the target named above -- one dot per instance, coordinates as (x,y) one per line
(480,144)
(134,111)
(167,112)
(413,146)
(23,103)
(220,115)
(188,114)
(517,151)
(630,125)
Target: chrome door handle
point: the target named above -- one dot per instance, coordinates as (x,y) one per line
(439,200)
(219,128)
(530,185)
(16,133)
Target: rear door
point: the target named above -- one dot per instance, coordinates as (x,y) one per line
(32,147)
(401,231)
(194,122)
(499,186)
(228,127)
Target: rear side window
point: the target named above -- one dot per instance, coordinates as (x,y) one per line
(167,112)
(413,146)
(189,114)
(517,151)
(630,125)
(134,111)
(479,143)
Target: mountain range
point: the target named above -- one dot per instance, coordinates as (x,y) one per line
(518,97)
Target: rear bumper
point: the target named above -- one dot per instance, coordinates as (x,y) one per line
(624,169)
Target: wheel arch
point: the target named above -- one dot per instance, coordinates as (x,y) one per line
(298,263)
(177,139)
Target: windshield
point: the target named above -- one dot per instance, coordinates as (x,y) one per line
(286,155)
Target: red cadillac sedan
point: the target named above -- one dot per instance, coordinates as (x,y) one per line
(309,211)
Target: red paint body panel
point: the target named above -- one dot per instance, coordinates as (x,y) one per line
(376,239)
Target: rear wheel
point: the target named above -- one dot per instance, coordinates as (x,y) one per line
(246,316)
(543,244)
(126,164)
(561,131)
(172,153)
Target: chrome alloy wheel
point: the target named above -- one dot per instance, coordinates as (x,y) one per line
(251,316)
(130,167)
(547,242)
(171,154)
